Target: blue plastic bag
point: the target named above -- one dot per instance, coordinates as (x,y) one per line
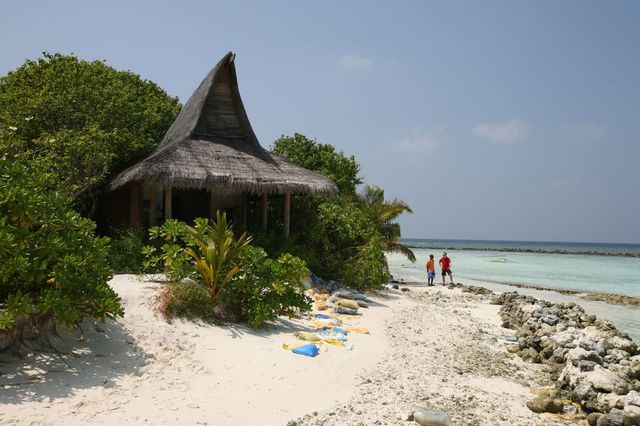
(307,350)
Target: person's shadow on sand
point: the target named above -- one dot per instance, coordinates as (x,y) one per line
(93,356)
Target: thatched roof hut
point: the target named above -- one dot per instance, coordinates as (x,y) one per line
(212,146)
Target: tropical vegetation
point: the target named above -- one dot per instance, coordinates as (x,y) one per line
(83,121)
(383,214)
(52,266)
(241,282)
(342,238)
(67,125)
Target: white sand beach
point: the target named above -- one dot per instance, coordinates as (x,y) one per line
(432,347)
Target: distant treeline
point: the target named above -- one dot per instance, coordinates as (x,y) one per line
(529,250)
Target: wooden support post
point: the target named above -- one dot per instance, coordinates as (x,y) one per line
(287,211)
(134,205)
(152,205)
(167,202)
(265,202)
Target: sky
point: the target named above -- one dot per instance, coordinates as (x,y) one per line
(494,120)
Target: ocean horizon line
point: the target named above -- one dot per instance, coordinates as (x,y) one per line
(461,240)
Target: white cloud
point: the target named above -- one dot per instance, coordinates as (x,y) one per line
(419,143)
(355,62)
(506,132)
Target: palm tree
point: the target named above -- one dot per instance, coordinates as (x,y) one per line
(383,214)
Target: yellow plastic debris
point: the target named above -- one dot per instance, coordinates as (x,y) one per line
(309,337)
(321,306)
(358,330)
(322,324)
(290,346)
(346,303)
(334,342)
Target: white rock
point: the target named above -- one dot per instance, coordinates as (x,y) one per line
(631,415)
(610,400)
(632,398)
(606,380)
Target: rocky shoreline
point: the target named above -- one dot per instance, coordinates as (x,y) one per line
(529,250)
(591,363)
(613,298)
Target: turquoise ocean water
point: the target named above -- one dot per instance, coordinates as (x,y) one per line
(485,260)
(495,262)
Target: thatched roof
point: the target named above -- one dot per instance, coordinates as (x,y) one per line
(212,145)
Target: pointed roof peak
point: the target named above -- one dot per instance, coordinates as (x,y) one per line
(215,110)
(211,145)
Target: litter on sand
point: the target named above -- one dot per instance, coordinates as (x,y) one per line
(308,336)
(347,303)
(337,305)
(307,350)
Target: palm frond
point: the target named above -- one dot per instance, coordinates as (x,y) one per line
(401,248)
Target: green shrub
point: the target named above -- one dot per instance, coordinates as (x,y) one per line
(342,243)
(321,158)
(83,121)
(366,270)
(188,301)
(126,253)
(51,263)
(166,253)
(238,278)
(266,288)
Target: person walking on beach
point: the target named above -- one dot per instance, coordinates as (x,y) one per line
(431,270)
(445,264)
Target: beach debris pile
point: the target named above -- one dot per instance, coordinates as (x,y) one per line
(333,310)
(593,364)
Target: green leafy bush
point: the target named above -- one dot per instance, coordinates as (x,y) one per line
(266,288)
(239,280)
(178,300)
(321,158)
(337,237)
(366,270)
(83,121)
(342,238)
(51,263)
(166,253)
(126,253)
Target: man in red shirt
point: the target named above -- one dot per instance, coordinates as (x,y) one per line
(445,264)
